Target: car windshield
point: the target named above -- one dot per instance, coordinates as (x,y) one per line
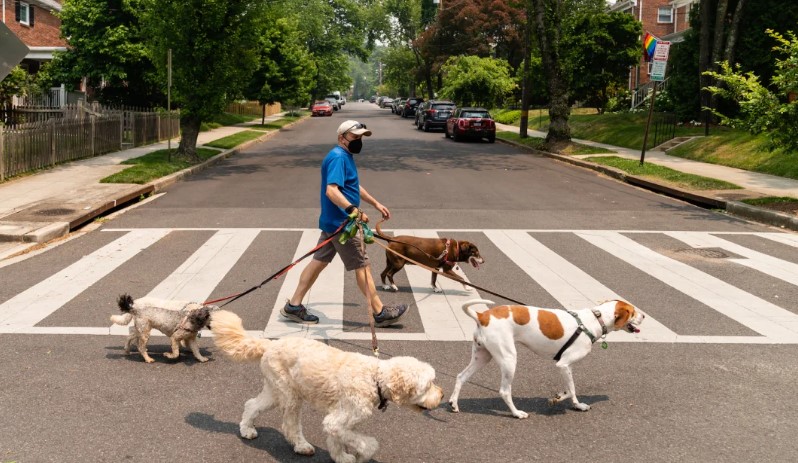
(443,107)
(475,114)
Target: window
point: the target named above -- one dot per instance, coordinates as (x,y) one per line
(24,14)
(665,15)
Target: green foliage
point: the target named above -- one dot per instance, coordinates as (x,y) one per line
(214,49)
(471,80)
(760,109)
(231,141)
(506,116)
(15,83)
(286,68)
(106,45)
(600,48)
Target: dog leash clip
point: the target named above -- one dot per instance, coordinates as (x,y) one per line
(376,351)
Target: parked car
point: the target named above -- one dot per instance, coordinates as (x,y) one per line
(397,105)
(471,123)
(409,106)
(386,102)
(433,114)
(321,108)
(333,102)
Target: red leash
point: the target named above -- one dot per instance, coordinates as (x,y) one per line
(279,272)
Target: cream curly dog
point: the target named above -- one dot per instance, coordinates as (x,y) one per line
(344,385)
(179,320)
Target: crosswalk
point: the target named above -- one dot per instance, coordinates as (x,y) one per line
(560,271)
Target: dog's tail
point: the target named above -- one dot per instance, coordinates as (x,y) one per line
(471,312)
(125,303)
(229,336)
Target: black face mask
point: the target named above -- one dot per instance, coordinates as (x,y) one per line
(355,146)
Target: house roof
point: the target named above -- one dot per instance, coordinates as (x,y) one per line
(51,5)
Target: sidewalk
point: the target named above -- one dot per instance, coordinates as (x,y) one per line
(48,204)
(753,184)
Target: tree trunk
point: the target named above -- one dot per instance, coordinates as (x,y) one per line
(526,80)
(548,28)
(717,45)
(705,54)
(189,131)
(734,32)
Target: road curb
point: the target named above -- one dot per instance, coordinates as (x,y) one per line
(739,209)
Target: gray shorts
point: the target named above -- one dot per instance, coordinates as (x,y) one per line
(351,253)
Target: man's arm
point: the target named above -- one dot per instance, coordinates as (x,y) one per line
(386,214)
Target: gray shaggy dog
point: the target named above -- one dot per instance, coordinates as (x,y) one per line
(179,320)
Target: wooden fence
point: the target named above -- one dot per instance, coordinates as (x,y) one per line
(35,145)
(252,108)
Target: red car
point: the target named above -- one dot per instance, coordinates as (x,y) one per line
(321,108)
(471,123)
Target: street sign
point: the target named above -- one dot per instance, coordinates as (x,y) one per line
(660,61)
(12,50)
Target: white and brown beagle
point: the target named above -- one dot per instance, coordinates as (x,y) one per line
(564,335)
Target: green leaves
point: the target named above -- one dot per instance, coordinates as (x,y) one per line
(471,80)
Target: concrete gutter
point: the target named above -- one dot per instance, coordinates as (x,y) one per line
(736,208)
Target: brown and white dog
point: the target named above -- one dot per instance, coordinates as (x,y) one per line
(437,253)
(566,336)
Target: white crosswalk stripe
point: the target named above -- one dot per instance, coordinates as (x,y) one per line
(441,316)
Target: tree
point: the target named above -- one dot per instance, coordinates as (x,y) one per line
(601,48)
(214,52)
(286,69)
(106,46)
(471,80)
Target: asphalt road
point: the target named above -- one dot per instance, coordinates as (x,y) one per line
(720,392)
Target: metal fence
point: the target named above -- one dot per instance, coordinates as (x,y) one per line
(90,131)
(664,129)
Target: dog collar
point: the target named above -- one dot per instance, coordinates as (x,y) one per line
(383,401)
(443,258)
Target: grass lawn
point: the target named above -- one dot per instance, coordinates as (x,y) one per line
(539,144)
(154,165)
(225,119)
(681,179)
(619,129)
(742,150)
(281,122)
(231,141)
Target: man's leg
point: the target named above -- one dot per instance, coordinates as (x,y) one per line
(306,280)
(366,284)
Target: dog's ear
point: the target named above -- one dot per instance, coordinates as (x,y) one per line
(200,317)
(623,312)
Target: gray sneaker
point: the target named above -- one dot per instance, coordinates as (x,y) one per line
(390,314)
(298,313)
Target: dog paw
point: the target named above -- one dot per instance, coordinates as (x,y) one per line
(386,287)
(149,360)
(521,415)
(453,407)
(304,448)
(170,355)
(202,359)
(436,290)
(581,407)
(248,432)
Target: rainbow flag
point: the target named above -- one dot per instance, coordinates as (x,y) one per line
(649,45)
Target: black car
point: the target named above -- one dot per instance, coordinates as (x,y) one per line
(409,109)
(433,114)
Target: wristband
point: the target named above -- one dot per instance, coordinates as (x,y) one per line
(350,208)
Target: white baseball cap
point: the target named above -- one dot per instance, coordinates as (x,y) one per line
(354,127)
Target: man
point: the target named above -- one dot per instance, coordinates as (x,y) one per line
(341,193)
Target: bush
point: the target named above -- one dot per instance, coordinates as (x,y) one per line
(507,116)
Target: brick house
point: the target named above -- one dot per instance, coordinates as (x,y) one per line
(665,19)
(36,25)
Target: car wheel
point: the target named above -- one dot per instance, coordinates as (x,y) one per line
(454,134)
(492,138)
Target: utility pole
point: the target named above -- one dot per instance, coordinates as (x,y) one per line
(169,103)
(522,132)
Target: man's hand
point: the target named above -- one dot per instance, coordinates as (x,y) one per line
(386,214)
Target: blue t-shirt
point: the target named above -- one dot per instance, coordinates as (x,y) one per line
(338,168)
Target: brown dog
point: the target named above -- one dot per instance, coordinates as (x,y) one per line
(437,253)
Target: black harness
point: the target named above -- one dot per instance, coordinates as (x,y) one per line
(581,329)
(383,401)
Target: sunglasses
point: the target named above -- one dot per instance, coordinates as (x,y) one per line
(356,126)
